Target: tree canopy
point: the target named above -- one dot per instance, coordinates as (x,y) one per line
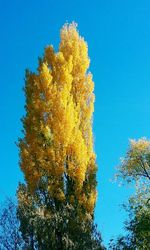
(56,204)
(135,167)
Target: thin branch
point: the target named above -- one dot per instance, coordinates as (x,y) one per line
(143,167)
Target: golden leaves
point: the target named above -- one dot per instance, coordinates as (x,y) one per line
(58,123)
(45,77)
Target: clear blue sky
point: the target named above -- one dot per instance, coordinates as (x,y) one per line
(118,35)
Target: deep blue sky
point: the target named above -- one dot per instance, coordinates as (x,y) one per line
(118,35)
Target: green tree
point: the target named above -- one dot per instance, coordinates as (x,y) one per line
(136,168)
(137,227)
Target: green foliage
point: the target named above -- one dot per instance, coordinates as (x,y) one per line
(135,168)
(47,224)
(138,229)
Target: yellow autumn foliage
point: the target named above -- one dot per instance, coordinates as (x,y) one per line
(58,138)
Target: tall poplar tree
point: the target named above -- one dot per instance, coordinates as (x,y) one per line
(56,152)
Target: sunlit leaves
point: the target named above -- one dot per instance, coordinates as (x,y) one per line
(136,164)
(58,138)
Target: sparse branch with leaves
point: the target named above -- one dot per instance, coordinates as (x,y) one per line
(136,164)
